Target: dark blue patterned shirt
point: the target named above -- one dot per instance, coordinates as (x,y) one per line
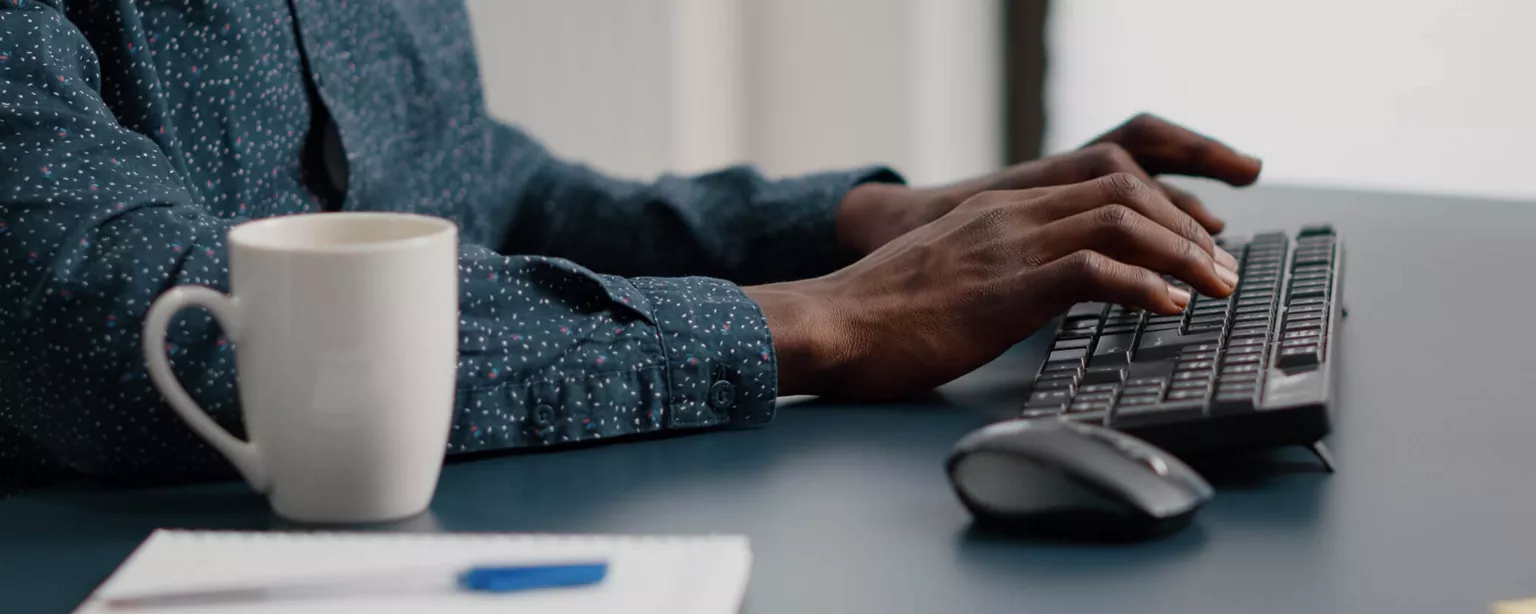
(133,134)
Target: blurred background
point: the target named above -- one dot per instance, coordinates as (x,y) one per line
(1403,95)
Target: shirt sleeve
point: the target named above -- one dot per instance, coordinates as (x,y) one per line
(733,223)
(95,223)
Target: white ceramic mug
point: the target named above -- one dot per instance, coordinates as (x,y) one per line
(345,328)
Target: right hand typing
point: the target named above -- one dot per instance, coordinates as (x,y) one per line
(954,294)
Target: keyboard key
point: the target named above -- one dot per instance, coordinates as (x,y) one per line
(1048,398)
(1040,412)
(1158,345)
(1299,357)
(1115,330)
(1173,411)
(1107,395)
(1245,340)
(1045,375)
(1095,310)
(1133,401)
(1055,384)
(1186,394)
(1163,326)
(1308,292)
(1081,406)
(1213,327)
(1189,384)
(1291,327)
(1247,384)
(1313,258)
(1071,365)
(1113,350)
(1067,355)
(1192,376)
(1211,319)
(1070,344)
(1240,368)
(1296,312)
(1314,230)
(1241,359)
(1098,388)
(1195,365)
(1103,375)
(1145,381)
(1095,417)
(1245,349)
(1080,324)
(1198,356)
(1247,335)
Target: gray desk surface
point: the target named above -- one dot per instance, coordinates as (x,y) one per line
(1432,510)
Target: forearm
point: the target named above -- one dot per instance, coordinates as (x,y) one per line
(733,224)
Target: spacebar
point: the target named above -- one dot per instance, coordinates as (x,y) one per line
(1160,344)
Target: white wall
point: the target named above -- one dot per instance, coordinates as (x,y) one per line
(1419,95)
(643,86)
(590,78)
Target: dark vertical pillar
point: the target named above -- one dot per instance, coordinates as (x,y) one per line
(1024,77)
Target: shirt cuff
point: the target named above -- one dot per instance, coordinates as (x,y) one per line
(719,362)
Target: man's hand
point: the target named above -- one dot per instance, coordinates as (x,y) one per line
(1146,146)
(952,295)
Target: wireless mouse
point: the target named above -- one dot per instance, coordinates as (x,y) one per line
(1062,478)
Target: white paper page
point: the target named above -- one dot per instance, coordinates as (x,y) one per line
(416,572)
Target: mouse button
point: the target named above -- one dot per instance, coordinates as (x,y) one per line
(1010,485)
(1154,459)
(1159,461)
(1113,469)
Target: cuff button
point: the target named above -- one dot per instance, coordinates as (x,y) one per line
(722,395)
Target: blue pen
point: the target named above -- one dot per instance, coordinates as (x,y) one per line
(509,579)
(487,579)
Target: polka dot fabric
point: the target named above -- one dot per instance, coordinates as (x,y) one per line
(134,134)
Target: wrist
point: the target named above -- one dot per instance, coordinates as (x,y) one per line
(807,344)
(872,214)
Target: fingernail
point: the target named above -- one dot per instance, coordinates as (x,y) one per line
(1180,296)
(1228,276)
(1226,259)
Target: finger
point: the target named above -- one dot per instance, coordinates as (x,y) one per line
(1190,204)
(1121,233)
(1095,160)
(1105,158)
(1087,275)
(1124,189)
(1164,147)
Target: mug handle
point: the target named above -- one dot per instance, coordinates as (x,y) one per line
(244,455)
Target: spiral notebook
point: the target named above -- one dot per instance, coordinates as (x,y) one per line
(415,572)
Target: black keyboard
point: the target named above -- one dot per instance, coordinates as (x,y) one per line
(1250,370)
